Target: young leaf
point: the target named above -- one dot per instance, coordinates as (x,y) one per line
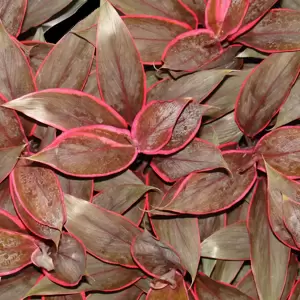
(198,6)
(154,257)
(199,155)
(104,150)
(153,126)
(38,12)
(197,86)
(17,79)
(265,90)
(269,257)
(280,149)
(12,15)
(125,87)
(169,9)
(273,33)
(39,193)
(152,34)
(66,109)
(184,236)
(204,193)
(191,50)
(15,252)
(206,288)
(247,285)
(109,235)
(229,243)
(225,17)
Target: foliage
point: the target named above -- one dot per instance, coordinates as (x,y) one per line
(151,153)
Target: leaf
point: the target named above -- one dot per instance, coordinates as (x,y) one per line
(204,193)
(251,53)
(278,31)
(294,4)
(221,131)
(69,261)
(62,70)
(247,286)
(16,79)
(153,126)
(295,293)
(256,106)
(226,270)
(125,87)
(85,145)
(168,9)
(153,256)
(292,272)
(179,292)
(79,188)
(184,236)
(289,111)
(198,6)
(129,293)
(66,109)
(229,243)
(152,34)
(225,17)
(12,15)
(15,251)
(39,193)
(6,202)
(199,155)
(66,297)
(197,86)
(10,222)
(279,149)
(91,85)
(240,212)
(109,235)
(206,288)
(16,286)
(121,197)
(38,12)
(222,100)
(269,257)
(191,50)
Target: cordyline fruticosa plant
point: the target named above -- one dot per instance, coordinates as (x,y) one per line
(152,153)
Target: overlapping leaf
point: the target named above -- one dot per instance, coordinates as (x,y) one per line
(6,202)
(247,285)
(198,6)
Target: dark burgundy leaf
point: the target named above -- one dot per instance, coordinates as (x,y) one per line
(154,257)
(105,234)
(122,81)
(66,109)
(191,50)
(269,257)
(199,155)
(96,150)
(247,286)
(169,9)
(152,34)
(278,31)
(203,193)
(198,6)
(153,126)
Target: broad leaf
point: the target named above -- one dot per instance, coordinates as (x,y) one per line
(294,4)
(12,15)
(10,222)
(229,243)
(291,276)
(153,256)
(91,85)
(152,34)
(295,293)
(265,90)
(199,155)
(191,50)
(278,31)
(269,257)
(97,150)
(198,6)
(204,193)
(290,110)
(15,251)
(207,288)
(225,17)
(247,286)
(197,86)
(66,297)
(153,126)
(6,202)
(280,149)
(109,235)
(121,77)
(40,11)
(129,293)
(183,235)
(66,109)
(169,9)
(226,270)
